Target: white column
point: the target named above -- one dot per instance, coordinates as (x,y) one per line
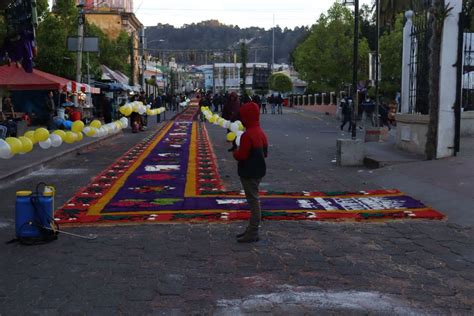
(448,80)
(406,62)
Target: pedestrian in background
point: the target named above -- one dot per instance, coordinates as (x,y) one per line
(346,111)
(368,108)
(279,103)
(50,109)
(230,112)
(264,104)
(271,100)
(251,156)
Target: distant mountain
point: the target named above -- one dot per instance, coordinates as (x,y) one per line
(209,41)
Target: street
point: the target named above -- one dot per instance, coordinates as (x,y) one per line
(398,267)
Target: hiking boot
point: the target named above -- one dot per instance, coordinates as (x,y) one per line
(241,234)
(250,235)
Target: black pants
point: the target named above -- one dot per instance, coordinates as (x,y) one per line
(346,119)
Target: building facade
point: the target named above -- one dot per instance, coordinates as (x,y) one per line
(112,17)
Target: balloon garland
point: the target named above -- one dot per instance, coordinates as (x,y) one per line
(41,136)
(140,108)
(236,128)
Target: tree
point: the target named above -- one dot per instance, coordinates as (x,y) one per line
(324,58)
(389,9)
(280,82)
(391,43)
(53,55)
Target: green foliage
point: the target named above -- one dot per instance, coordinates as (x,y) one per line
(324,59)
(391,43)
(280,82)
(113,53)
(53,56)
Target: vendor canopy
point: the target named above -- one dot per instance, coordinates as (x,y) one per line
(15,78)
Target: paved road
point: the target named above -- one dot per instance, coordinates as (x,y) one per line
(299,267)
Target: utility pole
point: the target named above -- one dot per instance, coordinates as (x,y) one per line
(377,63)
(132,57)
(142,54)
(273,41)
(355,96)
(80,39)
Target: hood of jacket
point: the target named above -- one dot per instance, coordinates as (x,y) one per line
(250,115)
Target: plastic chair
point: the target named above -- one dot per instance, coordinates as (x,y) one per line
(3,132)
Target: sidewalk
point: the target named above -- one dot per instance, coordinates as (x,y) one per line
(21,165)
(444,184)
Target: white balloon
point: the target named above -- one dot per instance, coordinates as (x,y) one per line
(56,140)
(234,127)
(46,144)
(5,150)
(237,140)
(227,124)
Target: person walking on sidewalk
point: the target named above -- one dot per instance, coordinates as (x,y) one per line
(368,109)
(346,109)
(251,156)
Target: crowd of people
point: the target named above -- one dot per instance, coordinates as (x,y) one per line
(367,113)
(218,101)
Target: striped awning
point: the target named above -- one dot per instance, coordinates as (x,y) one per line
(73,86)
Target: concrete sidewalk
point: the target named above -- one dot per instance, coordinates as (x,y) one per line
(21,165)
(444,184)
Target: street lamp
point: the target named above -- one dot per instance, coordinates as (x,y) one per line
(355,65)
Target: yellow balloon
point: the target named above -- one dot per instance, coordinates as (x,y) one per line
(91,132)
(27,144)
(79,136)
(96,124)
(41,134)
(231,136)
(60,133)
(212,119)
(77,126)
(241,126)
(15,144)
(31,136)
(70,137)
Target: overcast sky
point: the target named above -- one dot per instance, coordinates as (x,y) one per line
(244,13)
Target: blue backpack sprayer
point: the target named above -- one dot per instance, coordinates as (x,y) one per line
(34,218)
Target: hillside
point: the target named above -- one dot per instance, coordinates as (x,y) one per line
(190,42)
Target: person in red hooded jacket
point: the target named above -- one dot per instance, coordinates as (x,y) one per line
(251,156)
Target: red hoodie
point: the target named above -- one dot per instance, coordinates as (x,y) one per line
(253,147)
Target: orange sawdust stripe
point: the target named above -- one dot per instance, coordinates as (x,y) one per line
(99,206)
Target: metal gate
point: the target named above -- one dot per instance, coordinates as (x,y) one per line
(465,64)
(419,64)
(467,94)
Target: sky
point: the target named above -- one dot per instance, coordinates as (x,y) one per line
(244,13)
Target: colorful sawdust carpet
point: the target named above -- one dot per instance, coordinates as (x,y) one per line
(173,176)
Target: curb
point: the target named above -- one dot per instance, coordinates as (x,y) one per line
(42,163)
